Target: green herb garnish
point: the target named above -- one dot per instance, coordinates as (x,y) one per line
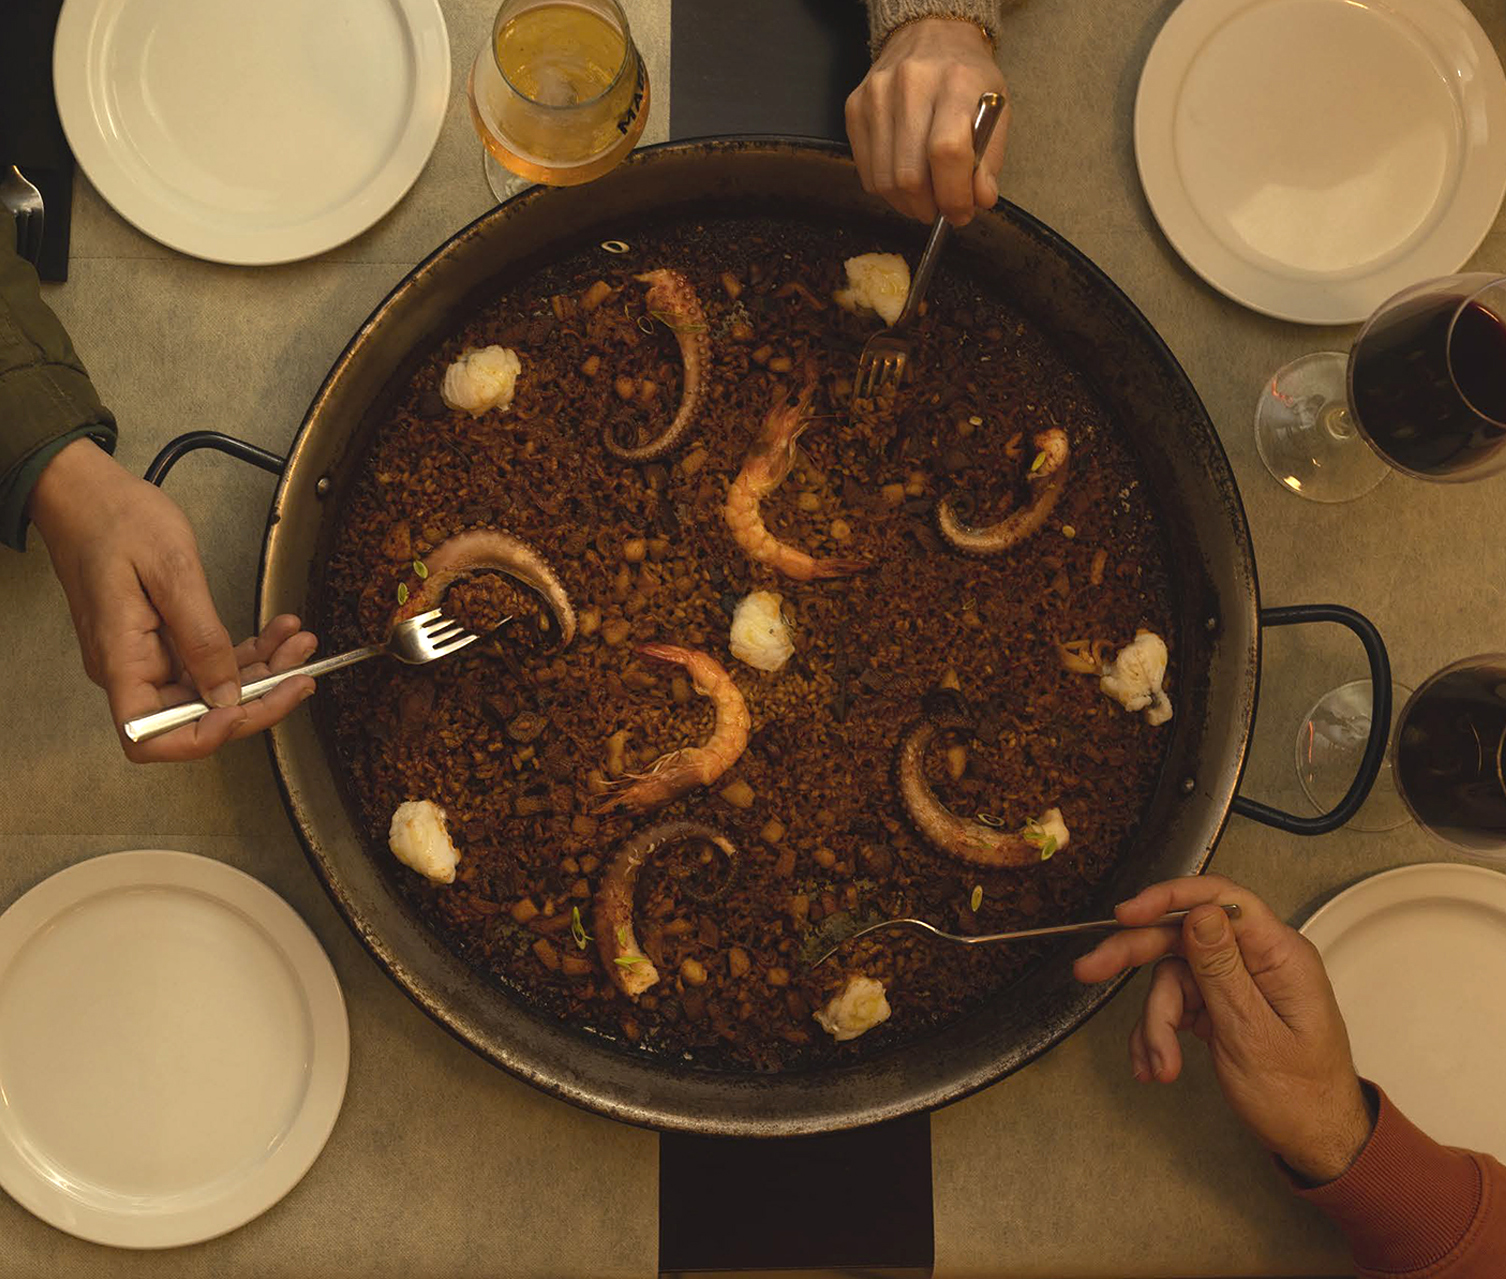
(622,935)
(1040,461)
(627,961)
(1048,847)
(988,819)
(402,592)
(976,899)
(578,929)
(421,569)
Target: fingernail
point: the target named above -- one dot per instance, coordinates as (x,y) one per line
(1209,928)
(307,693)
(226,694)
(1155,1064)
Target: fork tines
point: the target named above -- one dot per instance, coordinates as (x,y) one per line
(24,201)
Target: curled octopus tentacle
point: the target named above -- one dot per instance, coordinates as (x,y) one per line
(764,469)
(1048,478)
(484,550)
(672,775)
(631,970)
(670,294)
(939,826)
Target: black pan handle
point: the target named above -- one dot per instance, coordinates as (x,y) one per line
(1380,721)
(175,450)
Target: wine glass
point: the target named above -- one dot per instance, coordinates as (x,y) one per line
(1449,753)
(1423,390)
(1445,769)
(559,95)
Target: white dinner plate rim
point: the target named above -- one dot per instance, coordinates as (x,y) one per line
(1420,886)
(266,1183)
(1342,298)
(1399,886)
(73,57)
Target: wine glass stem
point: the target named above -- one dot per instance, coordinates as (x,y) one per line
(1337,421)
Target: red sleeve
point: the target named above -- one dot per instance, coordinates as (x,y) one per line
(1412,1209)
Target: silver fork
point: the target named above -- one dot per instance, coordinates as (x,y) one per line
(886,353)
(25,201)
(417,640)
(1019,934)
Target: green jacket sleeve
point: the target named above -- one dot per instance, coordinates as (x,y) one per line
(46,398)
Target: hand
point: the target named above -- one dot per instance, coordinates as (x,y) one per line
(146,625)
(910,122)
(1256,992)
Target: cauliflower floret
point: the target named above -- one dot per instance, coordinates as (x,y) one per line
(876,282)
(1048,832)
(418,838)
(1133,678)
(481,380)
(858,1006)
(759,634)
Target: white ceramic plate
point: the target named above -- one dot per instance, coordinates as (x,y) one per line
(173,1049)
(252,133)
(1311,158)
(1417,957)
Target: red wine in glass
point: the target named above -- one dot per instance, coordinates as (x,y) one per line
(1427,383)
(1448,760)
(1423,391)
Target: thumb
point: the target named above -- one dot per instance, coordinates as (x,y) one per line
(1212,952)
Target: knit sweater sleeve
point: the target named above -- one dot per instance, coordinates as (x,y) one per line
(1413,1209)
(885,15)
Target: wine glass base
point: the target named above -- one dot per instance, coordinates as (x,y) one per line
(1306,435)
(1330,742)
(504,183)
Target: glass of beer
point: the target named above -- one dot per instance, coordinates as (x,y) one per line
(559,95)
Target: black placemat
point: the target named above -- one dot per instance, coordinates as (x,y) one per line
(765,66)
(846,1201)
(31,136)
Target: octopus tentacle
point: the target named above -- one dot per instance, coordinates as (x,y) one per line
(939,826)
(484,550)
(671,294)
(764,469)
(683,769)
(631,970)
(1048,479)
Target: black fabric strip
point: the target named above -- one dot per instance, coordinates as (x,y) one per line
(764,66)
(844,1201)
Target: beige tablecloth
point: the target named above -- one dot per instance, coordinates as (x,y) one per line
(443,1165)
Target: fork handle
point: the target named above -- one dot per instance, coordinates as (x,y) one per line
(1091,926)
(990,108)
(146,727)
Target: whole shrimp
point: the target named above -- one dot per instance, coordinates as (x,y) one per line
(671,775)
(764,469)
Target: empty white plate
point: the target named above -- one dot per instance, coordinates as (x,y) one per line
(1417,957)
(252,133)
(173,1049)
(1311,158)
